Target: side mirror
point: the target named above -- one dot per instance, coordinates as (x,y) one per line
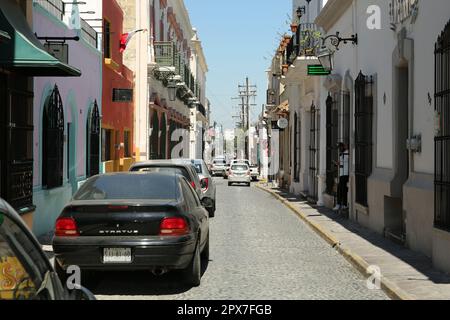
(207,202)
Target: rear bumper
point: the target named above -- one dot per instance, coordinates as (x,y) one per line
(234,179)
(218,171)
(147,253)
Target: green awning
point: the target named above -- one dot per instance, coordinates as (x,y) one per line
(24,53)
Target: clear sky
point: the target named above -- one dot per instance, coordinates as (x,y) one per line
(239,37)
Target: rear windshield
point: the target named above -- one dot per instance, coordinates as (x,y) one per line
(239,167)
(129,187)
(219,162)
(174,170)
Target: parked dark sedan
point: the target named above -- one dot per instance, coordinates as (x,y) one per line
(26,273)
(179,166)
(134,221)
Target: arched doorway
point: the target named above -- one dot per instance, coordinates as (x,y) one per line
(93,142)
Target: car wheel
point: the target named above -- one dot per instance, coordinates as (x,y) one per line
(205,252)
(192,274)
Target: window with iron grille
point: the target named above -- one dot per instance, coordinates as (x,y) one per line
(296,148)
(122,95)
(16,142)
(53,142)
(332,105)
(344,122)
(106,39)
(313,154)
(93,142)
(363,136)
(126,142)
(106,145)
(442,138)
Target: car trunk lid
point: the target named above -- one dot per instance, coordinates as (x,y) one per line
(118,219)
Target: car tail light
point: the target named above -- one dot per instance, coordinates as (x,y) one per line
(193,184)
(173,227)
(66,227)
(205,184)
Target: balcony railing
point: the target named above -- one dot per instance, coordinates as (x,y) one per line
(89,34)
(401,10)
(167,55)
(305,42)
(55,7)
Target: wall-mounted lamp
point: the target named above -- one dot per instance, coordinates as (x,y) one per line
(336,40)
(326,60)
(172,86)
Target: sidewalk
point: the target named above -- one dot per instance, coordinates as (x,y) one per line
(406,274)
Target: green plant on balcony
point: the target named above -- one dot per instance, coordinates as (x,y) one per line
(310,42)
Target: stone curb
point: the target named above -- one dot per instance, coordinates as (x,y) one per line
(392,290)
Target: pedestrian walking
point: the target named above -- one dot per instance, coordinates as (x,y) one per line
(343,165)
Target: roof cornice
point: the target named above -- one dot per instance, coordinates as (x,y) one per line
(331,13)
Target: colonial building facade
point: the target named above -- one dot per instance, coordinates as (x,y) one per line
(66,116)
(386,98)
(174,81)
(118,94)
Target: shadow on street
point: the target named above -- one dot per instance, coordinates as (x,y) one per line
(137,283)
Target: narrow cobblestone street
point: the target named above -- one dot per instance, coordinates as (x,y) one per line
(259,250)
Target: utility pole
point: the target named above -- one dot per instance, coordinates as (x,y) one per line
(246,93)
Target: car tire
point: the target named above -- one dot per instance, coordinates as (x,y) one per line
(205,252)
(192,274)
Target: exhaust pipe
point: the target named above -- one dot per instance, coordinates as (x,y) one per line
(159,271)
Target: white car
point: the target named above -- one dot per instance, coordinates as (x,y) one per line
(254,172)
(218,167)
(239,173)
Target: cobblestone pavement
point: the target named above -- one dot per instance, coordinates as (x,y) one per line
(259,250)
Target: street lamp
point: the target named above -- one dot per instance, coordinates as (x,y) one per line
(326,60)
(172,86)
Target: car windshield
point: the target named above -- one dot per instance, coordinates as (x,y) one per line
(220,162)
(174,170)
(239,167)
(129,187)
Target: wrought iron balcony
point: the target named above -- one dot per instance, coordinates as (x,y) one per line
(305,42)
(402,10)
(166,54)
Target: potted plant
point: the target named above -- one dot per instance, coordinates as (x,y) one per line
(310,41)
